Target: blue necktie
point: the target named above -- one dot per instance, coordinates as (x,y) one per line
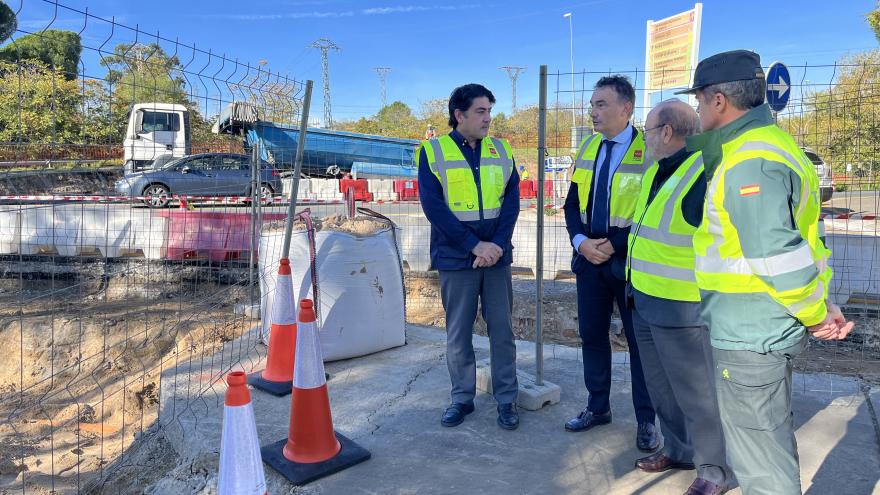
(599,219)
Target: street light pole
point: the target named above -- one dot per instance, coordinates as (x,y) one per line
(571,59)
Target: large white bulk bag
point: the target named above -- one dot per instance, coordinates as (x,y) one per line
(361,295)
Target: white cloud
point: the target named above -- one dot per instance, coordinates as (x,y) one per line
(400,9)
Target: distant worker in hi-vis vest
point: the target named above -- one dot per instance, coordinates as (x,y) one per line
(665,300)
(469,191)
(761,267)
(599,208)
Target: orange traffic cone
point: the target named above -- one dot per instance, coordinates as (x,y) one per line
(241,468)
(312,450)
(277,378)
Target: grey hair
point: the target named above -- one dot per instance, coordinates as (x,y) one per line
(743,95)
(678,115)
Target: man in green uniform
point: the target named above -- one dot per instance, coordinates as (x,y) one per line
(761,268)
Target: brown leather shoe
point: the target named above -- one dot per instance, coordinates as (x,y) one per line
(657,463)
(702,486)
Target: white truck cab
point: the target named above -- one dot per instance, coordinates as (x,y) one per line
(155,129)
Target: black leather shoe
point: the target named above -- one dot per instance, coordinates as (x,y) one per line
(586,420)
(646,438)
(455,413)
(508,418)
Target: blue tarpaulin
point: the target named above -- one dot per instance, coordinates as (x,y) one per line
(324,148)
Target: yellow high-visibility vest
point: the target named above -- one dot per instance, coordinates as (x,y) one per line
(625,183)
(661,251)
(451,168)
(720,263)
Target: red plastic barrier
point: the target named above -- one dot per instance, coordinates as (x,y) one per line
(528,189)
(359,186)
(548,189)
(406,189)
(210,235)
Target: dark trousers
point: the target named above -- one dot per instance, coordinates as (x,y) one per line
(460,291)
(678,367)
(597,289)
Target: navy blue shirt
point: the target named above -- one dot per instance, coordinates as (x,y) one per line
(451,239)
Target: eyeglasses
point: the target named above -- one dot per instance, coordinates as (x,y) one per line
(656,127)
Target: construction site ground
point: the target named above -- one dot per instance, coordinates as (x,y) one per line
(391,402)
(121,380)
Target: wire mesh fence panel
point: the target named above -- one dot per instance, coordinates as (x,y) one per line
(118,294)
(831,114)
(140,232)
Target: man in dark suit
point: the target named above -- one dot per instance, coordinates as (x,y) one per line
(598,214)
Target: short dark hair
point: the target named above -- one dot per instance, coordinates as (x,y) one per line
(463,97)
(621,85)
(743,95)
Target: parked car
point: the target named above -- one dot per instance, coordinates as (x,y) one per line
(205,174)
(823,170)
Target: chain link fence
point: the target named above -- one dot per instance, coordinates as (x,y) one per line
(119,320)
(125,304)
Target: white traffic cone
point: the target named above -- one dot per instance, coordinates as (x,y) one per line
(241,467)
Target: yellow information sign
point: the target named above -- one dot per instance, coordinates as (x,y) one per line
(671,53)
(672,47)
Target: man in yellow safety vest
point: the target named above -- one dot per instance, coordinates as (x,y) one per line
(599,208)
(761,267)
(665,300)
(469,191)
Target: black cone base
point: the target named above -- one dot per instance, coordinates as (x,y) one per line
(301,474)
(278,389)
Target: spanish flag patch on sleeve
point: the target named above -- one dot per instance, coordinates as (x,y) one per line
(750,190)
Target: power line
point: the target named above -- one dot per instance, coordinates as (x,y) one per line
(325,45)
(383,72)
(513,73)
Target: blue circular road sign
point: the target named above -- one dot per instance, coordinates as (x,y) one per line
(778,86)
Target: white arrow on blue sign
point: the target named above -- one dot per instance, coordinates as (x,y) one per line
(557,163)
(778,86)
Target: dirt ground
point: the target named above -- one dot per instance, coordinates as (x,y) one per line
(84,356)
(86,342)
(62,182)
(859,355)
(559,318)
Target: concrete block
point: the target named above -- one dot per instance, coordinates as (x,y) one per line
(616,326)
(9,230)
(326,189)
(382,189)
(303,192)
(531,397)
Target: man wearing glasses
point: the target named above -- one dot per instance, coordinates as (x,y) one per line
(662,291)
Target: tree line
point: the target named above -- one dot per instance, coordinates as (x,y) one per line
(46,98)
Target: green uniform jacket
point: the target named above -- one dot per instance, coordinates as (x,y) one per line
(753,321)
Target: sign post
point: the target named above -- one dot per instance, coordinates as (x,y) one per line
(671,53)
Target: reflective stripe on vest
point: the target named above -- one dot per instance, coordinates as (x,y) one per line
(661,255)
(722,267)
(625,182)
(457,178)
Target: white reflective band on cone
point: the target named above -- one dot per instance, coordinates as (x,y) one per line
(283,310)
(309,363)
(241,466)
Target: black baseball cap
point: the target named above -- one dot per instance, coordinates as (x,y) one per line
(736,65)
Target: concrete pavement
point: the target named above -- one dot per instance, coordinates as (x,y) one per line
(391,403)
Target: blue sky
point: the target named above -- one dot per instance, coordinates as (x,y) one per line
(433,47)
